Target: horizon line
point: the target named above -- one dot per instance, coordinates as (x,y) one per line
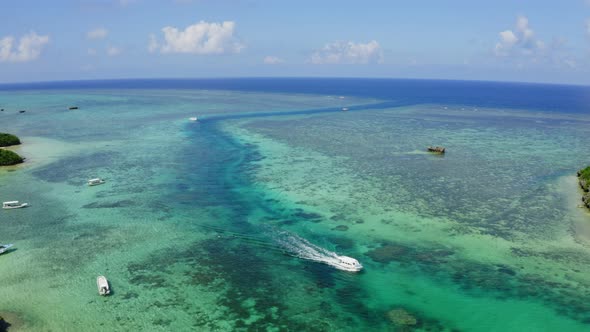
(7,84)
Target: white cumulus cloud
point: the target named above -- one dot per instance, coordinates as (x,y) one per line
(348,53)
(29,47)
(98,33)
(272,60)
(521,41)
(199,38)
(112,51)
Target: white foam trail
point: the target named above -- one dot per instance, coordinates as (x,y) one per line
(304,249)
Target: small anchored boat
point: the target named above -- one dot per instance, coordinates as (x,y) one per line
(73,107)
(436,149)
(347,264)
(13,205)
(194,118)
(4,248)
(95,182)
(103,285)
(345,109)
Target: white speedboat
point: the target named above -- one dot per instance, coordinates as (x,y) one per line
(103,285)
(13,205)
(95,182)
(346,263)
(4,248)
(194,118)
(345,109)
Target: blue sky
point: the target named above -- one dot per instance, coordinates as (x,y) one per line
(516,40)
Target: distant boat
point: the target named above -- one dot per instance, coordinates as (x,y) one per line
(73,107)
(103,285)
(4,248)
(345,109)
(14,205)
(436,149)
(341,97)
(194,118)
(347,264)
(21,111)
(95,182)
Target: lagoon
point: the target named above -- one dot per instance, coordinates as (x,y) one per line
(193,226)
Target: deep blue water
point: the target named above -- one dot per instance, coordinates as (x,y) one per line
(542,97)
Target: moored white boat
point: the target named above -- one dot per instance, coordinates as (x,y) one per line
(4,248)
(103,285)
(345,109)
(346,263)
(95,182)
(13,205)
(194,118)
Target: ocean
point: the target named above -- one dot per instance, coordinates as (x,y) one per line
(233,222)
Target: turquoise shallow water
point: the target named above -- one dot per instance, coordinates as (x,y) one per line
(202,226)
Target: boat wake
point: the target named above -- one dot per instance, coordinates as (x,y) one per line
(304,249)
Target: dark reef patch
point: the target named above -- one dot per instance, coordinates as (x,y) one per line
(109,205)
(341,242)
(130,295)
(311,216)
(162,322)
(341,228)
(77,169)
(501,281)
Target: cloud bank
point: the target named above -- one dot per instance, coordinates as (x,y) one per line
(28,49)
(199,38)
(272,60)
(348,53)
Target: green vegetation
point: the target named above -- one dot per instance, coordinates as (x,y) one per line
(584,175)
(8,139)
(9,158)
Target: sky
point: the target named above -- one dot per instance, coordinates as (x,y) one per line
(500,40)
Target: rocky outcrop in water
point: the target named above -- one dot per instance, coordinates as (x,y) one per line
(584,179)
(3,325)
